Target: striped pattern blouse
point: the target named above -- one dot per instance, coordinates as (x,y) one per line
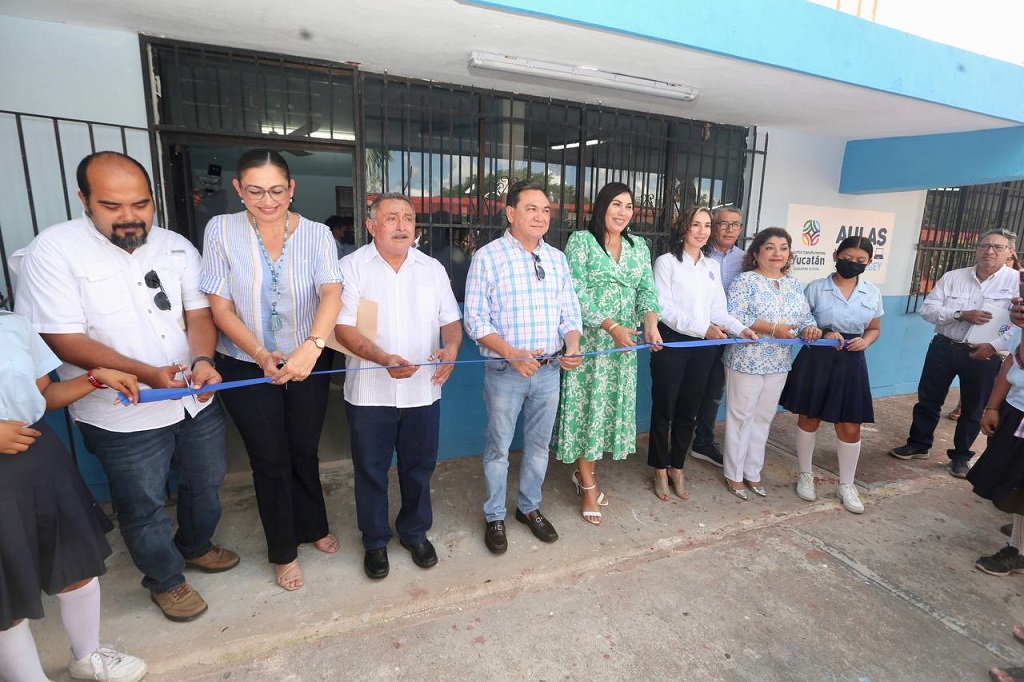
(234,268)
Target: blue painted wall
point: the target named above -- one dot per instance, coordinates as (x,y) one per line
(806,38)
(896,164)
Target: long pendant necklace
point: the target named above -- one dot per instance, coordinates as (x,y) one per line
(275,269)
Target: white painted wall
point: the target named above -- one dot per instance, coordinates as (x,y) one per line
(71,71)
(68,72)
(805,170)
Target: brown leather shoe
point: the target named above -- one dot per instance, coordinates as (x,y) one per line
(180,604)
(216,560)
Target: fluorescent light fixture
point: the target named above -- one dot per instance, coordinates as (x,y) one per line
(574,145)
(582,74)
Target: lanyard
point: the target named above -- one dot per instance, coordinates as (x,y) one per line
(275,270)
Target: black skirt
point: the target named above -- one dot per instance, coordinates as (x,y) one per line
(51,529)
(998,475)
(829,385)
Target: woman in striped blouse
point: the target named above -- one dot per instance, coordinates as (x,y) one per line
(274,284)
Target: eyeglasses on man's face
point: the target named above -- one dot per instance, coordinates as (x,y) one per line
(153,282)
(537,267)
(729,226)
(998,248)
(256,193)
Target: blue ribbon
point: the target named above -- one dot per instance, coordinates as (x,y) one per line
(152,395)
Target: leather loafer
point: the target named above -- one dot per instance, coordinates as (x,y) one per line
(494,537)
(423,554)
(375,563)
(541,527)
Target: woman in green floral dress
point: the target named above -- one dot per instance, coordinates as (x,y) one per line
(611,272)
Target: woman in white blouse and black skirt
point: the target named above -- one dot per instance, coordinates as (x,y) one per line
(693,308)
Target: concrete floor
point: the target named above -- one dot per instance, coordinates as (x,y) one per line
(711,588)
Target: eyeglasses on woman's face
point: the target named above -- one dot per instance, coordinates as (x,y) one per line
(277,193)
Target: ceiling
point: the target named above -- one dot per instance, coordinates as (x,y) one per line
(432,40)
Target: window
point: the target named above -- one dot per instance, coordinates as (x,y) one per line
(455,151)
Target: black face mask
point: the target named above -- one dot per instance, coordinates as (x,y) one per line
(848,269)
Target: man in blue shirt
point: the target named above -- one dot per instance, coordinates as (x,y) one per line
(521,307)
(726,227)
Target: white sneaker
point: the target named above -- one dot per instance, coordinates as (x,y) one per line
(847,493)
(108,665)
(805,487)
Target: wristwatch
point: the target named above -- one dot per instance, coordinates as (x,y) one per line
(317,341)
(957,314)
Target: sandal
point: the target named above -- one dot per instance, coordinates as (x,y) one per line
(1018,633)
(678,480)
(289,576)
(602,501)
(328,544)
(592,517)
(661,486)
(1006,674)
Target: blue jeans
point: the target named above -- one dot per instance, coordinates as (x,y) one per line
(137,465)
(506,394)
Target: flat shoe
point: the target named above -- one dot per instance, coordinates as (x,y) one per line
(375,563)
(289,576)
(738,492)
(328,544)
(758,489)
(540,526)
(423,554)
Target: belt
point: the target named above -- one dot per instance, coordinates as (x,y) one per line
(548,361)
(950,342)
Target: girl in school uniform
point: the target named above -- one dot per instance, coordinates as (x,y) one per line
(831,384)
(51,530)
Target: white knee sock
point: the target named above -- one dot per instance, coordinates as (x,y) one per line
(805,449)
(19,660)
(1017,535)
(848,453)
(80,613)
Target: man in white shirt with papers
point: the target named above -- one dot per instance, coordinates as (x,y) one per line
(397,409)
(957,303)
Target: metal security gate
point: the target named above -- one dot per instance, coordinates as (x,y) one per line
(954,220)
(38,161)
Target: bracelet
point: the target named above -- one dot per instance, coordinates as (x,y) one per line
(256,354)
(772,332)
(93,381)
(202,358)
(996,409)
(612,326)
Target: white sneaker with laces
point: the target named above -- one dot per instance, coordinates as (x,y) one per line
(847,493)
(108,665)
(805,487)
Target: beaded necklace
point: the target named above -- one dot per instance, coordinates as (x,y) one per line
(275,269)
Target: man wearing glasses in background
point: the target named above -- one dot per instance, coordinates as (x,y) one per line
(726,227)
(111,290)
(957,302)
(521,306)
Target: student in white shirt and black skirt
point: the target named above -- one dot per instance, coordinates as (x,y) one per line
(831,384)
